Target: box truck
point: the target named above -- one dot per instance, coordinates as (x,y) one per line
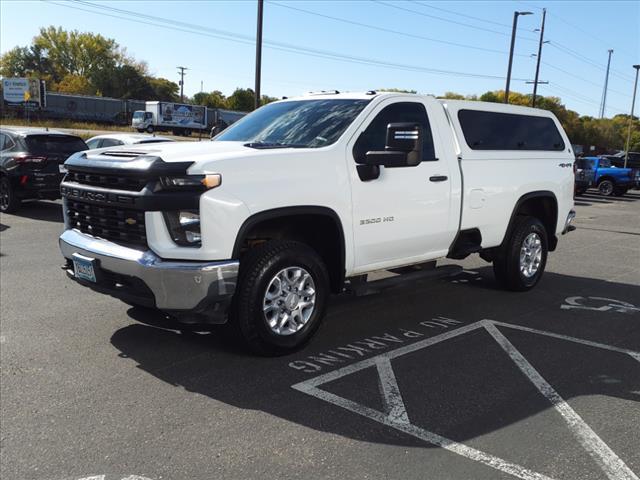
(179,118)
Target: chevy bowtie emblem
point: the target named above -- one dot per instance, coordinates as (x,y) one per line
(131,221)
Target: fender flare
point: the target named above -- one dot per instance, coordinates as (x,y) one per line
(283,212)
(552,238)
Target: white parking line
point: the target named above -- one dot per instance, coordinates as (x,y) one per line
(395,413)
(608,461)
(394,405)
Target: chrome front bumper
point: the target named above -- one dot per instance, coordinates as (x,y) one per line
(177,286)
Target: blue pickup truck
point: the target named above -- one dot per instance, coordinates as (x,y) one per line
(599,172)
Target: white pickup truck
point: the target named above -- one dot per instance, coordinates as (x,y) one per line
(304,197)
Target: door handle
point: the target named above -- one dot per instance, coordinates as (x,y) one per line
(438,178)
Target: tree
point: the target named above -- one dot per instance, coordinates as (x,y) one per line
(267,99)
(163,89)
(123,82)
(242,99)
(397,90)
(75,84)
(215,99)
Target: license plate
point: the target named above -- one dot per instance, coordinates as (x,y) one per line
(62,168)
(84,268)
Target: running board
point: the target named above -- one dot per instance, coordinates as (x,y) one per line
(359,287)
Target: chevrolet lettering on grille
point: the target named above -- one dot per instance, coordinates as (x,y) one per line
(103,197)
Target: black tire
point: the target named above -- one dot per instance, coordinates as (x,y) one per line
(506,264)
(606,187)
(149,129)
(580,191)
(247,320)
(9,201)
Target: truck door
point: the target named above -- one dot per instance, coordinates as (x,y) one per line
(404,215)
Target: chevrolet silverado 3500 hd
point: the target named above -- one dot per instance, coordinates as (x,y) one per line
(258,227)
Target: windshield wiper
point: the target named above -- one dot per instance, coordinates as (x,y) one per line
(273,145)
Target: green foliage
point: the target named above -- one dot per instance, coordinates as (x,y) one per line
(242,99)
(164,90)
(396,90)
(75,84)
(215,99)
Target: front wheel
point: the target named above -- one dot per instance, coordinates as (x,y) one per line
(281,297)
(9,201)
(520,263)
(149,129)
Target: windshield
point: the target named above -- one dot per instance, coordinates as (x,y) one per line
(303,123)
(139,115)
(46,144)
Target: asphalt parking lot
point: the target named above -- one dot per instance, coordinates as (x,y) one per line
(450,379)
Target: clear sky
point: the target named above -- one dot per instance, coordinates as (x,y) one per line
(427,46)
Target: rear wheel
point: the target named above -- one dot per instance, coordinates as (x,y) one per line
(9,201)
(520,263)
(281,297)
(606,187)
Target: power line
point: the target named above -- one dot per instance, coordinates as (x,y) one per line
(591,35)
(417,12)
(462,14)
(388,30)
(581,78)
(214,33)
(582,58)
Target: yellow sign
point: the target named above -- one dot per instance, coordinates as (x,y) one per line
(27,96)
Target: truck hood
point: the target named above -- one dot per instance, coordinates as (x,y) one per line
(184,151)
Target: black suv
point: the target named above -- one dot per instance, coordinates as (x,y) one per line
(31,164)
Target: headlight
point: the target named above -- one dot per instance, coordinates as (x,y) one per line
(193,182)
(184,227)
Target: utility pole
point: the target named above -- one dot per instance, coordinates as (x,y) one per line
(633,102)
(606,84)
(513,43)
(535,81)
(182,74)
(258,54)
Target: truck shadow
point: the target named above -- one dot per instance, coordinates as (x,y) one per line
(472,388)
(41,210)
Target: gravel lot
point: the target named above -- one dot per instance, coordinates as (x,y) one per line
(450,379)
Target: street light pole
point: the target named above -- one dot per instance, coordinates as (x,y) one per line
(535,81)
(513,43)
(258,53)
(606,85)
(633,102)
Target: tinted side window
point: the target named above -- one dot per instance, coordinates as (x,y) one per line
(506,131)
(110,142)
(94,143)
(375,136)
(3,141)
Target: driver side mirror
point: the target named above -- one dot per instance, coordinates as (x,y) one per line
(403,147)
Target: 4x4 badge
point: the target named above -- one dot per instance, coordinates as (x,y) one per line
(131,221)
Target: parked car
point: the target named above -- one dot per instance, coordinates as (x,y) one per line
(585,175)
(608,179)
(304,197)
(633,161)
(31,164)
(116,139)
